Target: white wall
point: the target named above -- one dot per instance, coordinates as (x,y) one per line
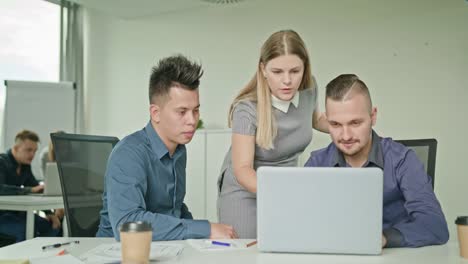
(412,54)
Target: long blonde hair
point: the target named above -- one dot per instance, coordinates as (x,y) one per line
(284,42)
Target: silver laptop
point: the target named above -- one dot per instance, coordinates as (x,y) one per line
(51,181)
(319,210)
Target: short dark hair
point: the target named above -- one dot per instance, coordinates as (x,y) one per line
(174,71)
(339,87)
(26,134)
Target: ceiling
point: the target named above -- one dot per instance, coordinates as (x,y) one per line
(132,9)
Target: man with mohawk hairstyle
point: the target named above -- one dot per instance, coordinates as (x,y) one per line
(145,176)
(412,215)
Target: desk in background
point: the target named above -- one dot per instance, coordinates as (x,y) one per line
(432,254)
(29,204)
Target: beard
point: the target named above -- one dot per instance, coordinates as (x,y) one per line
(351,151)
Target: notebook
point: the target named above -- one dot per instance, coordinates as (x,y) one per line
(51,181)
(319,210)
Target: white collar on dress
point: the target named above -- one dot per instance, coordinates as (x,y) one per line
(283,106)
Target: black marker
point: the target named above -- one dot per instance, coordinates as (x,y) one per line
(60,244)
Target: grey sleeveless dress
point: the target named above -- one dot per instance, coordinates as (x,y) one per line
(236,205)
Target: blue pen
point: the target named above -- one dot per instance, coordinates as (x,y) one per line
(218,243)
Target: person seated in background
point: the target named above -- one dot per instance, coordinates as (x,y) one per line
(145,175)
(412,216)
(16,178)
(48,155)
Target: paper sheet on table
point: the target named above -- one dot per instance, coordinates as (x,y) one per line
(111,253)
(202,245)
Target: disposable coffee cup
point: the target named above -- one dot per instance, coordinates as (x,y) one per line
(462,230)
(136,242)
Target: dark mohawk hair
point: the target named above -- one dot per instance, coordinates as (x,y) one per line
(174,71)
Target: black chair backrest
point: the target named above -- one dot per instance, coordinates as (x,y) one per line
(6,240)
(81,162)
(426,150)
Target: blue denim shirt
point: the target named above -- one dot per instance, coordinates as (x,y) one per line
(412,216)
(144,183)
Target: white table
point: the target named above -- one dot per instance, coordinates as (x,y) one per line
(432,254)
(30,203)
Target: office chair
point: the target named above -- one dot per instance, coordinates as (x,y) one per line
(81,162)
(426,150)
(6,240)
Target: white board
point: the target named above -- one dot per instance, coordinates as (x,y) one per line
(42,107)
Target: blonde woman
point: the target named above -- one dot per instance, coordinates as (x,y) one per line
(271,120)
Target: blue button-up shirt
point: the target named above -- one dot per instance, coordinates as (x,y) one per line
(412,216)
(144,183)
